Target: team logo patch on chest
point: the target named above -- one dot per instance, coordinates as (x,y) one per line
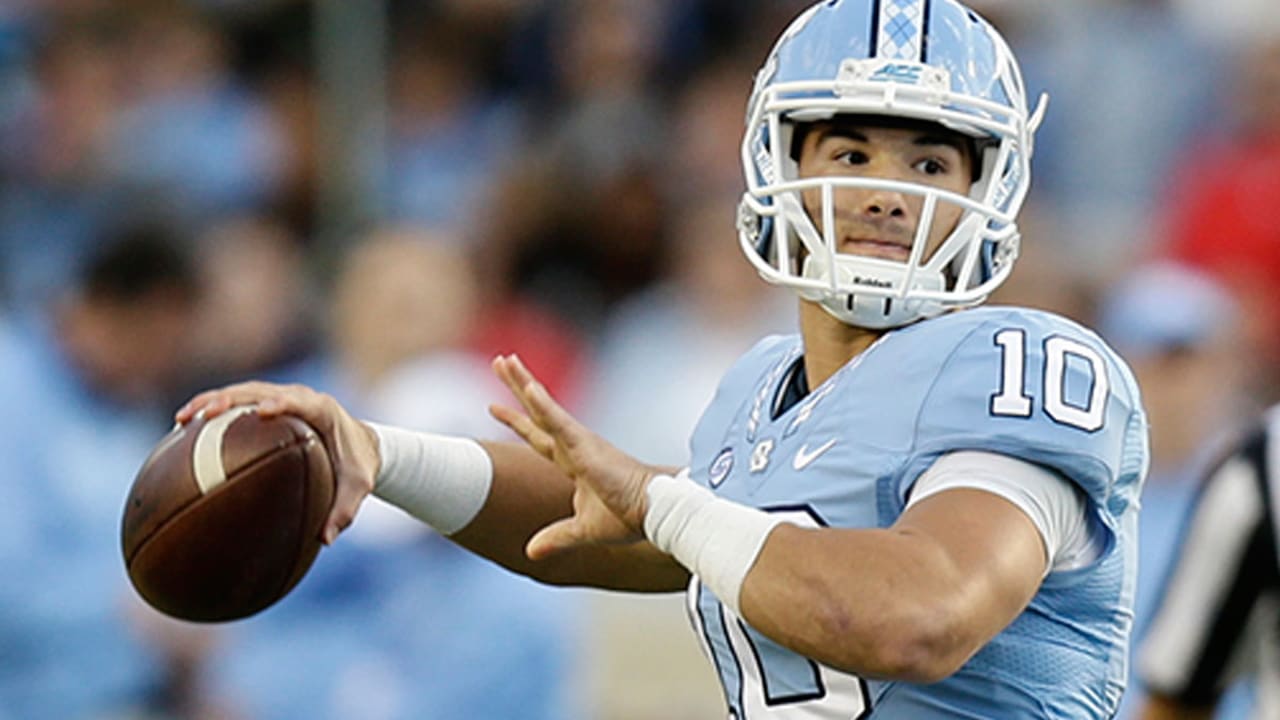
(720,467)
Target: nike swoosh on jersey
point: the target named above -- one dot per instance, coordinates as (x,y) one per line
(805,456)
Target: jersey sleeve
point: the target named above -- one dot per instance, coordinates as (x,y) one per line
(1037,387)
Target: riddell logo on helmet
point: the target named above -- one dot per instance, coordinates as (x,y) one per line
(871,282)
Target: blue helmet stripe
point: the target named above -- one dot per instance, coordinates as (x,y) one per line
(924,33)
(874,47)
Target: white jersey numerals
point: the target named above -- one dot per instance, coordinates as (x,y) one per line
(1013,399)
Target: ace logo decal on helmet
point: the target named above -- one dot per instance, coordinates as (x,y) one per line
(930,60)
(899,72)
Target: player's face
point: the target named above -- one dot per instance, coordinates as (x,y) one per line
(882,223)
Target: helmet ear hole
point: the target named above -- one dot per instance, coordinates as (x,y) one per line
(798,134)
(978,159)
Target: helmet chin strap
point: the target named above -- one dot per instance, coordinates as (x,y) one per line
(873,311)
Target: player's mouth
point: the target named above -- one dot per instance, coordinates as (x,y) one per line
(876,248)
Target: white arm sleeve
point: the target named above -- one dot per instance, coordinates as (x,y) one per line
(443,481)
(1055,505)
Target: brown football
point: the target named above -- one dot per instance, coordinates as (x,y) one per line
(225,516)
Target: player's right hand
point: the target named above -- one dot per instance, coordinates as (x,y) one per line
(352,445)
(609,499)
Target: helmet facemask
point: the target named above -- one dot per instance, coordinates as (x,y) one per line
(785,243)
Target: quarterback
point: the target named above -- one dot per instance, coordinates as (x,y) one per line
(914,508)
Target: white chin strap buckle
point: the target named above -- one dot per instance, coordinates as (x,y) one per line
(869,292)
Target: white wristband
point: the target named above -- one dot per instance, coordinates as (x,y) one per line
(443,481)
(716,539)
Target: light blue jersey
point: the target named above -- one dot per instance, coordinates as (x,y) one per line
(1020,382)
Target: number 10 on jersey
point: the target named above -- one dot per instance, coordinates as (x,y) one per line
(1063,358)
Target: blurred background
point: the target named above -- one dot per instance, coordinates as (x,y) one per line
(375,197)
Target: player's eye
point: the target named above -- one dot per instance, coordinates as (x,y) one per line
(932,166)
(852,157)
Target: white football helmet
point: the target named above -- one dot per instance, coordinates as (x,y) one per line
(932,60)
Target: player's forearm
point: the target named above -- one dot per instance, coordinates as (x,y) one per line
(491,498)
(527,493)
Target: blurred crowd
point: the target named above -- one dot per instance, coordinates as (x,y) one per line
(375,197)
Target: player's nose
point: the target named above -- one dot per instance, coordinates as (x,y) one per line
(881,203)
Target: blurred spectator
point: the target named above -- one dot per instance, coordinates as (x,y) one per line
(1230,22)
(257,318)
(1117,124)
(56,192)
(706,129)
(1180,331)
(520,323)
(449,131)
(1224,217)
(422,290)
(91,383)
(396,622)
(188,128)
(710,305)
(707,302)
(711,308)
(131,108)
(577,222)
(274,51)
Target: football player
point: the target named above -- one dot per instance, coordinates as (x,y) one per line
(914,508)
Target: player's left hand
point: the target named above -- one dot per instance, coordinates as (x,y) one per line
(609,499)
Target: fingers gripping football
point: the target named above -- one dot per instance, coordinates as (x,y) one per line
(352,446)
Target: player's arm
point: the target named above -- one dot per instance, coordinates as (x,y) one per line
(489,498)
(916,600)
(913,601)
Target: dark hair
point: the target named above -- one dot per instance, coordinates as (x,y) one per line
(135,263)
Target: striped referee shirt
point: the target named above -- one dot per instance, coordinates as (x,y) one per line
(1218,617)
